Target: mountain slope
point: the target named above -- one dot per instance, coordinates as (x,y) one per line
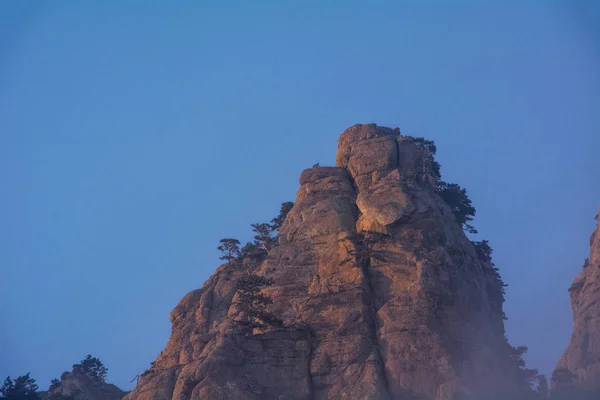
(381,295)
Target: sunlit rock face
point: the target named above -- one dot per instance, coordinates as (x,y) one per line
(579,366)
(411,320)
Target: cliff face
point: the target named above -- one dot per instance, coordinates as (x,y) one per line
(381,294)
(580,364)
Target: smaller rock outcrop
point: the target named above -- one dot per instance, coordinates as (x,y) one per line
(79,385)
(578,370)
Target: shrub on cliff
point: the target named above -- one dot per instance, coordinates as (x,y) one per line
(283,212)
(455,196)
(93,367)
(460,204)
(495,285)
(252,303)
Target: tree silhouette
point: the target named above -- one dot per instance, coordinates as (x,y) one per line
(22,388)
(455,196)
(262,236)
(252,303)
(283,212)
(230,249)
(495,286)
(93,367)
(460,204)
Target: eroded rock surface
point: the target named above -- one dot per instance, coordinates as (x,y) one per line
(78,385)
(580,364)
(415,319)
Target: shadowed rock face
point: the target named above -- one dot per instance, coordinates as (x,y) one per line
(580,364)
(412,320)
(77,385)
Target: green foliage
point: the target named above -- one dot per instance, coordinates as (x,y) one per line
(455,196)
(93,367)
(283,212)
(431,168)
(266,236)
(252,303)
(146,372)
(460,204)
(22,388)
(252,255)
(362,249)
(542,390)
(484,251)
(263,238)
(495,287)
(230,249)
(54,383)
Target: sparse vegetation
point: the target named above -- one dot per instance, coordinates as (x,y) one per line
(230,249)
(93,367)
(54,383)
(252,303)
(250,300)
(455,196)
(495,286)
(362,248)
(22,388)
(460,204)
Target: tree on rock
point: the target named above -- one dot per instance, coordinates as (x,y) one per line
(22,388)
(283,212)
(460,204)
(262,236)
(252,255)
(455,196)
(252,303)
(54,383)
(230,249)
(93,367)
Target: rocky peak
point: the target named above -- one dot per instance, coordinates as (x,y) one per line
(79,385)
(381,294)
(579,367)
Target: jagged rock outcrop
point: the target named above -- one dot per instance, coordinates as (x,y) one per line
(78,385)
(414,317)
(579,366)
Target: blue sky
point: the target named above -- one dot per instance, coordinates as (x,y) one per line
(133,136)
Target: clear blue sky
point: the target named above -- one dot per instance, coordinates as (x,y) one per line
(134,136)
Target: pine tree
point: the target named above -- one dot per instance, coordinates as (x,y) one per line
(93,367)
(262,236)
(230,249)
(22,388)
(283,212)
(252,303)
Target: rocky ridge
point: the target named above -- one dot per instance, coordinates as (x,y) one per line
(579,367)
(418,315)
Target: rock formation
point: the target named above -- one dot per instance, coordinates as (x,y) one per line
(78,385)
(381,294)
(579,367)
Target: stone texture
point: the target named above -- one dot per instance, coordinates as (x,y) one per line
(77,385)
(415,320)
(582,356)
